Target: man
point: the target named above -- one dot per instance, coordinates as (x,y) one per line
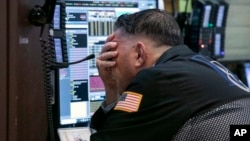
(155,85)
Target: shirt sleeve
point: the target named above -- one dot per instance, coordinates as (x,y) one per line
(100,116)
(107,108)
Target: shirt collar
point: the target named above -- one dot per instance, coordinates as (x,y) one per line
(179,50)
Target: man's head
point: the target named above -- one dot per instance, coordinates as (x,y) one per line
(155,24)
(142,37)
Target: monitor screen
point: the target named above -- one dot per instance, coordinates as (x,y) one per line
(58,49)
(57,16)
(88,23)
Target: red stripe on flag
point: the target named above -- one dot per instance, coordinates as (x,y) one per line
(129,102)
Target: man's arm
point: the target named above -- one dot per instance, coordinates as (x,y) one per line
(100,116)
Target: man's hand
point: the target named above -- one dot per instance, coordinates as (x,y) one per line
(105,61)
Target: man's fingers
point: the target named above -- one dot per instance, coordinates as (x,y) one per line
(107,56)
(108,47)
(110,37)
(105,64)
(105,60)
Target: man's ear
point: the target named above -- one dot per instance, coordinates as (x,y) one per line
(140,49)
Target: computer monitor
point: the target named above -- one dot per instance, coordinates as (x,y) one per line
(87,25)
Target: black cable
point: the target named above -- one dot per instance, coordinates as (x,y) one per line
(186,14)
(185,19)
(66,64)
(49,7)
(186,6)
(48,89)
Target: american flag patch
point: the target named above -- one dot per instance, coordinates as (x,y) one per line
(129,102)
